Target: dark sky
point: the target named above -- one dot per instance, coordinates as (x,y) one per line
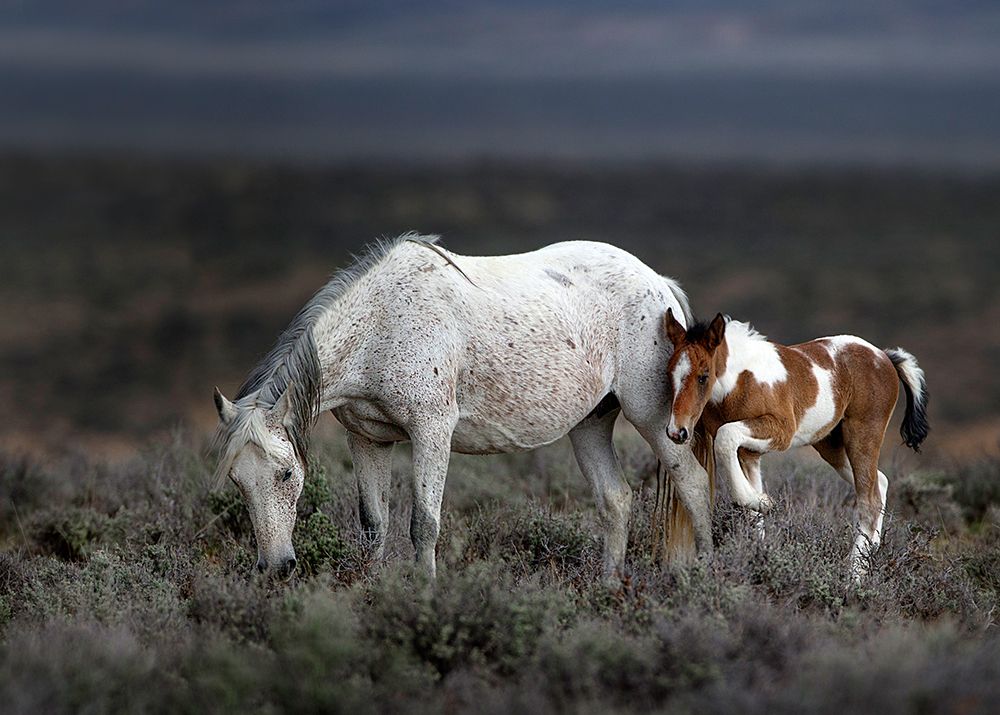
(789,80)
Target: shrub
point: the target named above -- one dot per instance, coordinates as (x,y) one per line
(317,543)
(475,616)
(69,533)
(531,538)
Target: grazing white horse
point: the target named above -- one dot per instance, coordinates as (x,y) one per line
(478,355)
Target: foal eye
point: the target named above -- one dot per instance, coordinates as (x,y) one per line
(702,379)
(287,475)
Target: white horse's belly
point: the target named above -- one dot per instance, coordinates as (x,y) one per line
(491,434)
(525,384)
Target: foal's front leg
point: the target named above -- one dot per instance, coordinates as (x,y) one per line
(759,436)
(750,462)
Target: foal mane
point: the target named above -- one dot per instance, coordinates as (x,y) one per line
(293,363)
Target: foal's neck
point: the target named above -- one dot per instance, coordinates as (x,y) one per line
(745,350)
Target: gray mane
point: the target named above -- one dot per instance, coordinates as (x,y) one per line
(293,362)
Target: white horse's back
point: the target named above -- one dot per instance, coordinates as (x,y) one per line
(527,344)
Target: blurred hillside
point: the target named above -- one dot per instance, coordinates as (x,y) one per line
(129,287)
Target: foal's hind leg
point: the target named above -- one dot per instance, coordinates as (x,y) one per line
(373,470)
(595,453)
(862,441)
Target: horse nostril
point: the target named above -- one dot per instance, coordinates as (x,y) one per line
(261,565)
(684,434)
(289,566)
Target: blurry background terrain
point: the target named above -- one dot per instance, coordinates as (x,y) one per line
(176,180)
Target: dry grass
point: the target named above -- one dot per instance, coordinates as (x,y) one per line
(127,589)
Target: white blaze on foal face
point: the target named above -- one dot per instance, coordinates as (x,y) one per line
(692,370)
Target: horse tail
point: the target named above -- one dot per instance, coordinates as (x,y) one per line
(673,529)
(915,427)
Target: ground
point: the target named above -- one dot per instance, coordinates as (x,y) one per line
(129,588)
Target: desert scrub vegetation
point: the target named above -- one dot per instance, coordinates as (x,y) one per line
(128,588)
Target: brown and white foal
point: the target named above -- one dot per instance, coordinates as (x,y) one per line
(755,396)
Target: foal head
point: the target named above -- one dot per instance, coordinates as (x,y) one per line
(693,368)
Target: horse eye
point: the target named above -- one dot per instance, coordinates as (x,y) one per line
(702,379)
(287,475)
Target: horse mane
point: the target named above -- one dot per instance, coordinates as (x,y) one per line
(293,363)
(737,329)
(682,299)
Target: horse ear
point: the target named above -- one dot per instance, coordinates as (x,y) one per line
(675,331)
(716,332)
(227,410)
(282,409)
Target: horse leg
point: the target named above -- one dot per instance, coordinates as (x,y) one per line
(595,453)
(431,453)
(750,464)
(862,440)
(831,449)
(690,481)
(373,470)
(759,435)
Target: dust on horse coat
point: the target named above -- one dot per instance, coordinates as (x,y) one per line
(477,355)
(755,396)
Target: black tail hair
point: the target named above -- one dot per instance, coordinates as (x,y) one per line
(915,427)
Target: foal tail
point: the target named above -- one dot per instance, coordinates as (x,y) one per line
(915,427)
(673,531)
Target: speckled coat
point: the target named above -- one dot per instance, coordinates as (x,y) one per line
(484,355)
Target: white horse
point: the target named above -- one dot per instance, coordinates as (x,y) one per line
(478,355)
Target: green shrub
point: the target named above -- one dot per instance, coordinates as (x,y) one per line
(70,533)
(317,542)
(470,617)
(532,538)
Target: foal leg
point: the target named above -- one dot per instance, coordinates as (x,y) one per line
(759,435)
(373,470)
(862,440)
(750,463)
(595,453)
(431,453)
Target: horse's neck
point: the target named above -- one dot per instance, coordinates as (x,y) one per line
(338,335)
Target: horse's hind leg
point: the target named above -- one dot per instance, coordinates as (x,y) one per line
(595,453)
(431,453)
(862,441)
(373,470)
(831,449)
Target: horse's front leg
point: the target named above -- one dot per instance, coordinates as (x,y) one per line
(758,435)
(595,453)
(689,479)
(431,453)
(750,462)
(373,470)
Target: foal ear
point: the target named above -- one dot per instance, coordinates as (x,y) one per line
(716,332)
(674,330)
(227,410)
